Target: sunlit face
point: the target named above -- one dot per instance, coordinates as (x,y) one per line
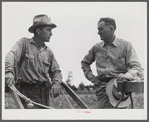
(104,31)
(46,33)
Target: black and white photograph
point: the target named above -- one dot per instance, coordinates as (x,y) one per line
(74,60)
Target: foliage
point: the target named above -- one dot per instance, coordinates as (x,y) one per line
(73,88)
(88,88)
(81,86)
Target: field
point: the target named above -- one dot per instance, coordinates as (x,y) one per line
(88,98)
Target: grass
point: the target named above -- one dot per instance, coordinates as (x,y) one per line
(88,98)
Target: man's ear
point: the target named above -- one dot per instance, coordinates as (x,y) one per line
(38,31)
(112,28)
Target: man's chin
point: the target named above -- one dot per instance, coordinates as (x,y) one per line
(47,40)
(101,38)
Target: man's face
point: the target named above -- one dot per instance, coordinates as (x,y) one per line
(46,33)
(104,31)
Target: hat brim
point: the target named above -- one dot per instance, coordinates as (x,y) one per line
(52,25)
(112,100)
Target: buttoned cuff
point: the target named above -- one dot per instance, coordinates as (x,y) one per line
(10,71)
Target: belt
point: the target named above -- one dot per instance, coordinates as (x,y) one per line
(105,79)
(25,84)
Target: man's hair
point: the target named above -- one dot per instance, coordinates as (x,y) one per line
(108,21)
(40,27)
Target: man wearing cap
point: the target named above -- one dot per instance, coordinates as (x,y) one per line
(31,65)
(114,57)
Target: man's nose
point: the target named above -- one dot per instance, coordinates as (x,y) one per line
(99,32)
(50,33)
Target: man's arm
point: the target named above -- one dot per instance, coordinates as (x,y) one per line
(132,61)
(56,77)
(86,62)
(54,71)
(11,60)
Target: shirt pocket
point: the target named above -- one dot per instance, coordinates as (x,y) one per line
(121,62)
(31,57)
(29,60)
(46,65)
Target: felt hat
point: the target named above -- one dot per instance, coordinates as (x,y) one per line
(40,20)
(114,95)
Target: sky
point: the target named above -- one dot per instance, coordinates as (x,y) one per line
(75,34)
(76,30)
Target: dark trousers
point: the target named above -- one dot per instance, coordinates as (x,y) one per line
(36,92)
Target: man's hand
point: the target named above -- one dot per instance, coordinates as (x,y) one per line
(96,80)
(126,76)
(55,90)
(9,79)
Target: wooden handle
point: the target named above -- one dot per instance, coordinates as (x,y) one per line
(74,96)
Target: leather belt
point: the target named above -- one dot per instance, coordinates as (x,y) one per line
(106,79)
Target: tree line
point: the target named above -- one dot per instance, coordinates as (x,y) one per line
(82,87)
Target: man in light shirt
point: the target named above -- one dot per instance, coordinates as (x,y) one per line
(114,57)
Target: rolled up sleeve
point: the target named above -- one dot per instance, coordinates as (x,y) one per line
(86,62)
(13,57)
(54,71)
(132,61)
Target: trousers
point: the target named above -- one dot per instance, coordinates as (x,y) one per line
(36,92)
(102,98)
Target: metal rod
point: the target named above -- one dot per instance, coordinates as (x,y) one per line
(67,99)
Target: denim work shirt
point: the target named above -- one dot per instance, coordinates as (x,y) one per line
(111,60)
(30,65)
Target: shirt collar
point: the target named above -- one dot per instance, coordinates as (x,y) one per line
(102,43)
(115,42)
(32,41)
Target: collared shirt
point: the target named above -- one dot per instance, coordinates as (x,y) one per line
(30,65)
(111,60)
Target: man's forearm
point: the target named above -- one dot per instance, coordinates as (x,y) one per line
(57,77)
(9,63)
(136,69)
(87,70)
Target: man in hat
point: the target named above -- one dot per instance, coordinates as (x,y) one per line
(31,65)
(114,57)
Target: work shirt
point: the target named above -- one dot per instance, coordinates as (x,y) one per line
(111,60)
(30,65)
